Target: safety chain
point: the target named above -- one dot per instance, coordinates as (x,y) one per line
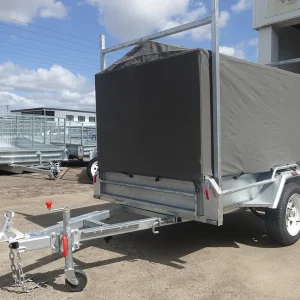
(18,275)
(13,266)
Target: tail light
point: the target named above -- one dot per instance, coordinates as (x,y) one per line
(207,194)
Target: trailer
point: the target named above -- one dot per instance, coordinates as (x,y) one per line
(24,145)
(160,135)
(80,142)
(80,139)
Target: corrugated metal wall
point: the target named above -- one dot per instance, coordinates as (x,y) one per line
(261,15)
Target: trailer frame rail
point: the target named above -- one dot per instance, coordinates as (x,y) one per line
(67,236)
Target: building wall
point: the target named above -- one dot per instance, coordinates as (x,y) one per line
(63,114)
(269,12)
(267,45)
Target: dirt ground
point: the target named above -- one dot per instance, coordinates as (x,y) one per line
(185,261)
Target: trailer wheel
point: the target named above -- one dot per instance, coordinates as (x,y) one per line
(92,168)
(82,281)
(283,223)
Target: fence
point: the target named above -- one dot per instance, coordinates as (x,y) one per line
(37,132)
(75,133)
(22,131)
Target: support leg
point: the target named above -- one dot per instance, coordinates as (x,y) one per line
(69,264)
(76,280)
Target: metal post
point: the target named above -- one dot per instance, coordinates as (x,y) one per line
(32,131)
(216,91)
(102,54)
(45,129)
(69,265)
(17,126)
(58,131)
(70,136)
(65,132)
(50,134)
(81,133)
(102,67)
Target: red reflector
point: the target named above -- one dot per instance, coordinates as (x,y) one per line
(49,204)
(64,242)
(95,178)
(207,194)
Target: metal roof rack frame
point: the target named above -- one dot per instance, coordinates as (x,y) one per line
(213,20)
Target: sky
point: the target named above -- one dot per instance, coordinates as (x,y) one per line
(50,49)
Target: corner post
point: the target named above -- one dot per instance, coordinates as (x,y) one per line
(102,54)
(65,132)
(217,171)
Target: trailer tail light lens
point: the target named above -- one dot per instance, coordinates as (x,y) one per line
(95,178)
(207,193)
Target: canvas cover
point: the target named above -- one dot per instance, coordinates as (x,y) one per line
(154,109)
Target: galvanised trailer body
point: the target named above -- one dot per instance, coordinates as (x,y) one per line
(24,146)
(80,139)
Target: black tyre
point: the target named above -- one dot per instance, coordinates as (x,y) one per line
(282,223)
(82,281)
(92,168)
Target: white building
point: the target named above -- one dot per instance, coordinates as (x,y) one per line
(86,117)
(278,23)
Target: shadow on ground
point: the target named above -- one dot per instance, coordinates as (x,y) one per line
(167,248)
(75,170)
(75,165)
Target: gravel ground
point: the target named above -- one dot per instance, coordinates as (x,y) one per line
(185,261)
(73,179)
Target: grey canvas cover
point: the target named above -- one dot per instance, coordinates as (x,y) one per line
(154,110)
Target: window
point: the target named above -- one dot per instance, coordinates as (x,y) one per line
(50,113)
(81,119)
(92,119)
(70,118)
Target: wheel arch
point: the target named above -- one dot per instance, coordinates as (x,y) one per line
(286,178)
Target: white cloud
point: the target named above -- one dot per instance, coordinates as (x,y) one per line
(253,42)
(60,99)
(233,51)
(56,86)
(241,5)
(27,10)
(13,77)
(136,18)
(15,101)
(204,32)
(64,99)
